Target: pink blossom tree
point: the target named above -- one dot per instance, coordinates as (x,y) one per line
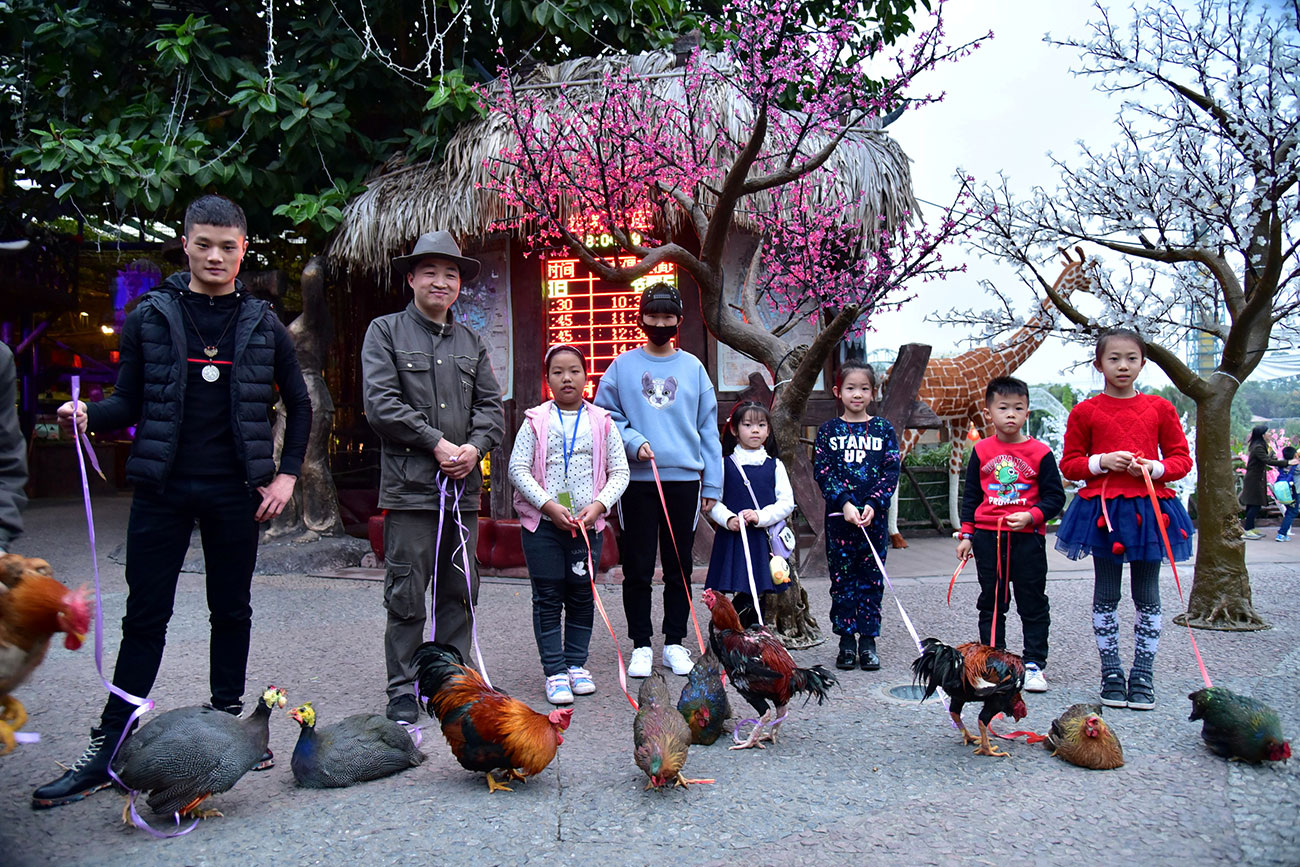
(1200,199)
(770,129)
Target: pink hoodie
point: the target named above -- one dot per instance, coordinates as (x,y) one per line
(538,418)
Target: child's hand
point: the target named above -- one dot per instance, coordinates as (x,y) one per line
(852,515)
(559,515)
(868,514)
(707,504)
(591,513)
(1020,521)
(645,453)
(1135,468)
(749,516)
(1117,462)
(964,551)
(733,524)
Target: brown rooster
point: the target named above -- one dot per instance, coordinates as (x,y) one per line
(760,668)
(33,607)
(1081,737)
(486,729)
(660,735)
(973,672)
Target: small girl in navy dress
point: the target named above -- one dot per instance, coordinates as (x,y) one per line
(1109,438)
(855,462)
(764,502)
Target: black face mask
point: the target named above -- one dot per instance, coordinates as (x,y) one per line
(659,334)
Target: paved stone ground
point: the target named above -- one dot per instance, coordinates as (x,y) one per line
(861,778)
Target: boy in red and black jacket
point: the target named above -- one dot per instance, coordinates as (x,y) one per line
(1013,488)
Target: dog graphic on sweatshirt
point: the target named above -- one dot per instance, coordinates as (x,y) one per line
(659,393)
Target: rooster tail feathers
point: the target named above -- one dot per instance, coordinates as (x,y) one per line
(815,681)
(435,663)
(937,663)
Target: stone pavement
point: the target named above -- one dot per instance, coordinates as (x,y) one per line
(862,778)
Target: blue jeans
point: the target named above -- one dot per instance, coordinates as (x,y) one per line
(1287,518)
(558,568)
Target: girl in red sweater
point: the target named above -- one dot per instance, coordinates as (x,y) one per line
(1109,438)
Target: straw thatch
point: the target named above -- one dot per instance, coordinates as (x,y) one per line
(869,167)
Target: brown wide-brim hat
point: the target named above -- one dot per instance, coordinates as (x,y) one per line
(442,245)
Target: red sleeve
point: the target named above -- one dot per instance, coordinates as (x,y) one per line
(1078,443)
(1174,453)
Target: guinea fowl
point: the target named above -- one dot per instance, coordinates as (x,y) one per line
(190,753)
(362,747)
(704,700)
(1081,737)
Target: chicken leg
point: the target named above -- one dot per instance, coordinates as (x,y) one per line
(966,737)
(778,717)
(754,739)
(7,739)
(12,712)
(985,748)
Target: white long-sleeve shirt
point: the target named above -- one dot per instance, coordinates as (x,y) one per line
(580,481)
(767,515)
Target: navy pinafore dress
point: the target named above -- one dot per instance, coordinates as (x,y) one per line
(727,563)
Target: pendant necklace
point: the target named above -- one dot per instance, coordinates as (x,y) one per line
(210,372)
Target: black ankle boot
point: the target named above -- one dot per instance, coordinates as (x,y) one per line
(867,657)
(87,775)
(848,657)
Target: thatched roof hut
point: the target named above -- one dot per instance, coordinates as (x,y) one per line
(869,167)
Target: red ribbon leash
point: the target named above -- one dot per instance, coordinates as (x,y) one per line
(595,595)
(699,636)
(998,581)
(956,572)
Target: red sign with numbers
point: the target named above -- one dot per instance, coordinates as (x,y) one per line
(597,316)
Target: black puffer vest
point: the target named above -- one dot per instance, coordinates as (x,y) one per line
(162,356)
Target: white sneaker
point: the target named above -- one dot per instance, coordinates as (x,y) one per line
(557,689)
(678,658)
(1034,680)
(643,660)
(580,680)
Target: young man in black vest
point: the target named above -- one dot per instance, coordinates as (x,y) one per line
(203,452)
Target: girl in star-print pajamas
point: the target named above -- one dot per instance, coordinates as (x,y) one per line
(855,462)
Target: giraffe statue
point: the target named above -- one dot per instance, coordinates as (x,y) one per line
(954,386)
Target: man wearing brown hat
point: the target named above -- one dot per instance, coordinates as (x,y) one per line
(431,396)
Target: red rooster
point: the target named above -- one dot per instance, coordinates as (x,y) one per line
(973,672)
(486,729)
(760,668)
(33,607)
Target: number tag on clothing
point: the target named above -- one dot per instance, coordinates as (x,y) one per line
(565,499)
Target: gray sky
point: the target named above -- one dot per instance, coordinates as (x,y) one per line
(1006,106)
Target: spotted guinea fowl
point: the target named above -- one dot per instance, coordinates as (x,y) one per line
(189,753)
(362,747)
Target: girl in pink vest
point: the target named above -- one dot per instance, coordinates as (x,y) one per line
(568,468)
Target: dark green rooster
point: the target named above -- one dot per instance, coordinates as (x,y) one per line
(190,753)
(362,747)
(1239,727)
(704,700)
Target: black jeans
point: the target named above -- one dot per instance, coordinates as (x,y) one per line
(560,573)
(157,537)
(1248,520)
(644,529)
(1027,574)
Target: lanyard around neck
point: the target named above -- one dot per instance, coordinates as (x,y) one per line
(572,446)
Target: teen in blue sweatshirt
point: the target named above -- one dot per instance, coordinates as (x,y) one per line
(664,405)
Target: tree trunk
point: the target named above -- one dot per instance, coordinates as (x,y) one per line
(1220,596)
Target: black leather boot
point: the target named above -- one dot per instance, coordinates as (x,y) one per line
(867,657)
(87,775)
(848,656)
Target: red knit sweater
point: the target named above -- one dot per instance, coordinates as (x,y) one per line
(1145,425)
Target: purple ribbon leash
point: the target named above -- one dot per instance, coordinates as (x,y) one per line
(143,705)
(469,584)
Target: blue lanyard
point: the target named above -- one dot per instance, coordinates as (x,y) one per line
(573,445)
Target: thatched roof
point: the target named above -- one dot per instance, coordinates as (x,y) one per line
(869,166)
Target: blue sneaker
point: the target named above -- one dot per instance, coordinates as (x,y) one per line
(580,681)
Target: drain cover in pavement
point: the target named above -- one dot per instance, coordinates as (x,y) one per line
(907,692)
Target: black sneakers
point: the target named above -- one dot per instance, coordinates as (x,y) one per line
(87,775)
(1141,691)
(1114,691)
(404,708)
(867,657)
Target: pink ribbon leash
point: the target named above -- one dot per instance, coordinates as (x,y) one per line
(699,636)
(595,595)
(143,705)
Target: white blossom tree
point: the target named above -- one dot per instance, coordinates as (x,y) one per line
(1199,198)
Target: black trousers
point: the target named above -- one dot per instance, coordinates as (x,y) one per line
(157,537)
(1027,570)
(644,529)
(561,579)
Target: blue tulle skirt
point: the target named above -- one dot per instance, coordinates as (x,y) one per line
(1083,530)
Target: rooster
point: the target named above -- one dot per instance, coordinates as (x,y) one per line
(660,736)
(33,607)
(973,672)
(1239,727)
(760,668)
(1081,737)
(486,729)
(704,700)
